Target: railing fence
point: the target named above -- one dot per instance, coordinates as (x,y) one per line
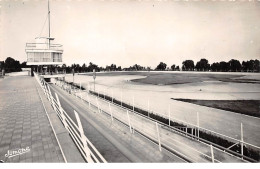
(87,149)
(152,132)
(194,129)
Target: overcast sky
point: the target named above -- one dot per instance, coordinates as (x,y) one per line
(129,32)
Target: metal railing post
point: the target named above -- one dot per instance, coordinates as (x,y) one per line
(81,95)
(133,103)
(191,132)
(158,134)
(129,123)
(242,141)
(83,139)
(212,154)
(41,84)
(88,101)
(44,88)
(47,91)
(40,80)
(112,96)
(148,107)
(52,101)
(169,115)
(61,112)
(111,113)
(98,105)
(121,98)
(198,125)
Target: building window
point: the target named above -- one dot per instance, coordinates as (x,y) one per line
(57,57)
(44,57)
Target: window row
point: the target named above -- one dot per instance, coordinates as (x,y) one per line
(44,57)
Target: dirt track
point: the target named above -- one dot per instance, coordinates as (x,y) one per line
(159,98)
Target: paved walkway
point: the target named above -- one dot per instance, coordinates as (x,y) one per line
(24,124)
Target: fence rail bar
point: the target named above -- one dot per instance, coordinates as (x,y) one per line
(129,123)
(212,153)
(158,133)
(76,131)
(83,137)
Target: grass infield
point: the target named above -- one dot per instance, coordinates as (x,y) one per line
(247,107)
(161,78)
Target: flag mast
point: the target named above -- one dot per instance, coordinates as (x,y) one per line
(49,19)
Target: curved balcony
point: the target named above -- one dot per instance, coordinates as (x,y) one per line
(44,46)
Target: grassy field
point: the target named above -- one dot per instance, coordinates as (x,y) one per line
(248,107)
(160,78)
(182,78)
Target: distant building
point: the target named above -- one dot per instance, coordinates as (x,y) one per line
(44,56)
(43,52)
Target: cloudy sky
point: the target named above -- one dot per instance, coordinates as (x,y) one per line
(129,32)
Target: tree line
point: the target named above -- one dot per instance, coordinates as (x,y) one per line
(12,65)
(187,65)
(231,66)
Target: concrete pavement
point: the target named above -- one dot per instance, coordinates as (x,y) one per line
(30,130)
(24,124)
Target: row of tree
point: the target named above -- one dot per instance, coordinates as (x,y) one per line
(91,67)
(231,66)
(187,65)
(11,65)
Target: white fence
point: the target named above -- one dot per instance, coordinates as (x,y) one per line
(151,129)
(87,149)
(195,128)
